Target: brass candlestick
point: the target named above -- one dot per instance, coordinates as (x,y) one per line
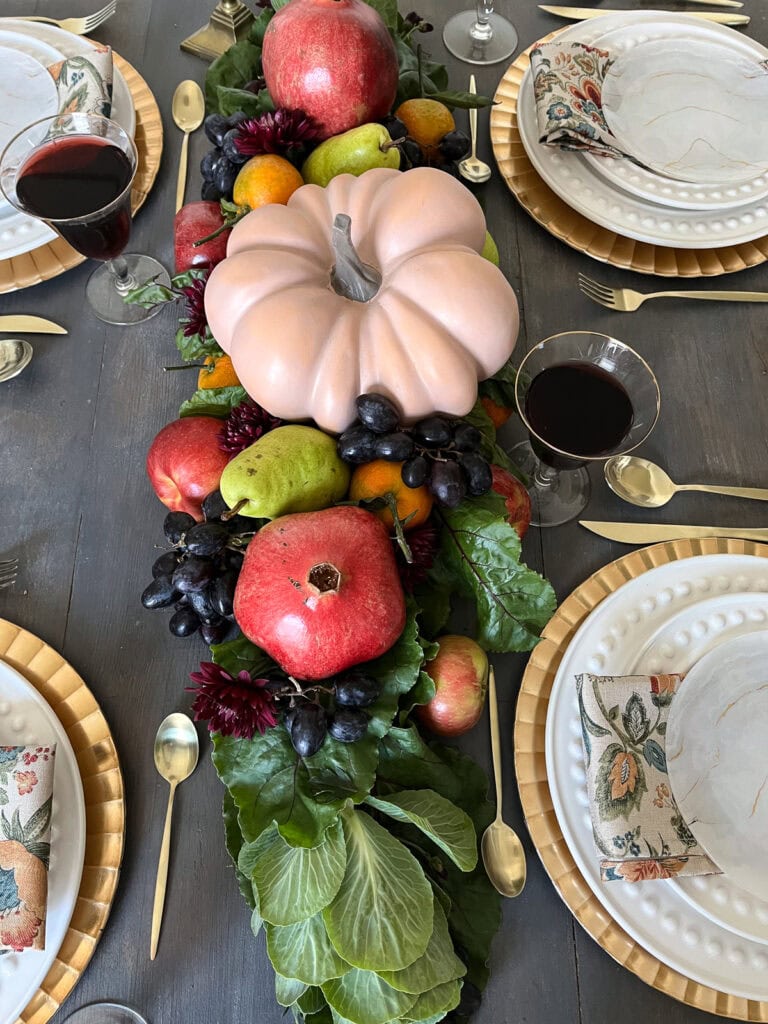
(229,22)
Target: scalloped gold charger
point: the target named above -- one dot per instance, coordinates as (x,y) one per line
(53,259)
(577,231)
(535,796)
(94,748)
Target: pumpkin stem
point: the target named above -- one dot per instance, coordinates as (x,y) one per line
(351,277)
(324,577)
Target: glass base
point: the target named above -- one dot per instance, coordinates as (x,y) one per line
(557,497)
(105,1013)
(107,302)
(457,38)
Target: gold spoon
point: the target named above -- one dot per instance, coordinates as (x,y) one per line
(470,167)
(176,751)
(643,483)
(14,357)
(503,854)
(188,109)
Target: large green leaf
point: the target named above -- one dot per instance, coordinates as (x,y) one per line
(241,655)
(239,64)
(294,882)
(213,401)
(362,997)
(397,671)
(387,9)
(437,1001)
(234,841)
(446,824)
(303,951)
(288,990)
(312,1001)
(381,918)
(438,964)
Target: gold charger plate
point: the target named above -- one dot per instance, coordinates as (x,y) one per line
(88,732)
(55,257)
(577,231)
(535,796)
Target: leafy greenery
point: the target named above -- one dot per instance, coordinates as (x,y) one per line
(196,346)
(304,951)
(234,841)
(213,401)
(239,65)
(500,388)
(446,825)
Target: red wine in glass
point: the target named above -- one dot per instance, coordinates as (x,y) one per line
(71,178)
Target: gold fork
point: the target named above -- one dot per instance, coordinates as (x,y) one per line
(9,570)
(78,26)
(624,300)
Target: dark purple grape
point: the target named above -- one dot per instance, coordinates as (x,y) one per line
(255,85)
(394,447)
(233,559)
(215,127)
(433,432)
(182,602)
(176,525)
(356,690)
(377,413)
(214,505)
(396,128)
(214,632)
(208,164)
(415,471)
(357,445)
(242,524)
(466,438)
(237,118)
(222,593)
(230,150)
(288,718)
(308,729)
(160,593)
(477,471)
(224,178)
(201,602)
(447,484)
(411,154)
(454,145)
(209,192)
(194,574)
(207,539)
(184,622)
(165,565)
(348,725)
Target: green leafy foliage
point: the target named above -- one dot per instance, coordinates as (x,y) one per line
(437,965)
(490,448)
(241,655)
(388,11)
(196,346)
(447,825)
(234,841)
(364,997)
(500,388)
(303,951)
(240,64)
(288,990)
(213,401)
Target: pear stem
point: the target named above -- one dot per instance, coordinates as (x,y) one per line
(350,277)
(226,516)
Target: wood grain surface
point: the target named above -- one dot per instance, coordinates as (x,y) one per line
(76,507)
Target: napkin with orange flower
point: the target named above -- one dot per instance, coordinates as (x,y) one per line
(84,84)
(26,794)
(638,829)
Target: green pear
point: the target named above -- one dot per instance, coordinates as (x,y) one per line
(290,469)
(352,152)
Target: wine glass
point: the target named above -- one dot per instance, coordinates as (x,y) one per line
(480,36)
(583,397)
(75,172)
(105,1013)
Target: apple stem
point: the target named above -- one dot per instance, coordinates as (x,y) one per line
(350,277)
(226,516)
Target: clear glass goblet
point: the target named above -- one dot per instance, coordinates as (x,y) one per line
(582,397)
(75,172)
(105,1013)
(480,36)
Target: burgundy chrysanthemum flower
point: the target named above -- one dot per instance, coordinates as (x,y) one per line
(246,423)
(278,132)
(194,321)
(233,707)
(423,542)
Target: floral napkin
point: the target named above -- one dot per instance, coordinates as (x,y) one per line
(26,794)
(567,85)
(638,829)
(84,84)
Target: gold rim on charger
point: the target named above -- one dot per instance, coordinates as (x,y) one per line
(77,710)
(535,796)
(56,257)
(576,230)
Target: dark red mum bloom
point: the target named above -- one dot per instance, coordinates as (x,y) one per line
(423,542)
(245,424)
(277,132)
(233,707)
(194,321)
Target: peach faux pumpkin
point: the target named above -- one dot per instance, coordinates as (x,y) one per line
(374,283)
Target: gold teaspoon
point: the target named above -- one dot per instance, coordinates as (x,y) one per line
(188,110)
(643,483)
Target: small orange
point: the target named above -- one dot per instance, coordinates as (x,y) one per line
(217,372)
(265,179)
(427,122)
(499,414)
(378,478)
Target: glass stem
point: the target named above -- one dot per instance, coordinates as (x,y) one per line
(481,30)
(124,282)
(544,476)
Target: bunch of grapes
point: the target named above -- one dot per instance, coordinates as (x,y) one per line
(439,452)
(199,573)
(453,146)
(220,166)
(308,722)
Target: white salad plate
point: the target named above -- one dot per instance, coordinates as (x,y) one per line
(25,718)
(718,757)
(696,113)
(588,192)
(617,639)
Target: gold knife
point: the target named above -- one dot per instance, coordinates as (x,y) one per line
(30,325)
(581,13)
(650,533)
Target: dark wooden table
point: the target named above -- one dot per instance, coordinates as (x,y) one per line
(75,505)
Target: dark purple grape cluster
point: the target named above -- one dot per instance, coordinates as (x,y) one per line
(309,721)
(220,165)
(453,146)
(199,573)
(437,451)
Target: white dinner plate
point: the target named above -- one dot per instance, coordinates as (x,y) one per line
(27,93)
(696,113)
(718,757)
(25,718)
(610,641)
(575,180)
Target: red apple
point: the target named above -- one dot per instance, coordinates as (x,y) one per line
(185,463)
(334,59)
(517,498)
(193,222)
(460,675)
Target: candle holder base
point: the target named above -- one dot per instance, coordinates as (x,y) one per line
(229,22)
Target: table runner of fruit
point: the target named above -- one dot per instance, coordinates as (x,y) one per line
(317,537)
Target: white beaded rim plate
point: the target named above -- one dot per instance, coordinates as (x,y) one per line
(654,913)
(25,718)
(598,199)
